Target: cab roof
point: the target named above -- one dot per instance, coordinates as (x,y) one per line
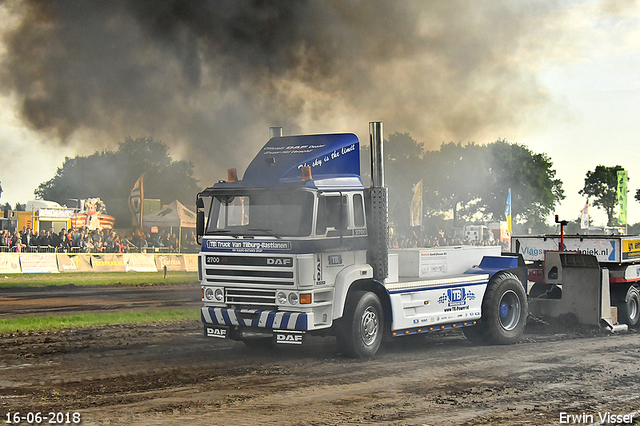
(330,156)
(334,160)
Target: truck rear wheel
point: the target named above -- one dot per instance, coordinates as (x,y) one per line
(629,308)
(504,312)
(359,331)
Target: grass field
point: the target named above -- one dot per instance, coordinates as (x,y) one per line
(39,323)
(93,278)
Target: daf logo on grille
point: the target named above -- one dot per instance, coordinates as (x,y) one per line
(279,261)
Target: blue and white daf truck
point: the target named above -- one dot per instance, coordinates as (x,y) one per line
(299,246)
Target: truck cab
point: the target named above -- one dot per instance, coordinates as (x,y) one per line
(278,238)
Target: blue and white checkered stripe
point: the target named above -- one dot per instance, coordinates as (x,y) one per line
(261,319)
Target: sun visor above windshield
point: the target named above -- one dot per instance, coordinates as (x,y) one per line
(282,157)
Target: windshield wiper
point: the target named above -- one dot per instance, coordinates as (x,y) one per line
(268,231)
(223,231)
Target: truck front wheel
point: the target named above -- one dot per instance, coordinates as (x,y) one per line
(504,312)
(629,308)
(359,331)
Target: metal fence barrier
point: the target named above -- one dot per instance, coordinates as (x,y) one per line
(77,250)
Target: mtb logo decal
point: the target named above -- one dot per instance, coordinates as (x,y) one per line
(456,297)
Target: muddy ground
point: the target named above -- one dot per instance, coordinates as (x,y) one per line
(169,374)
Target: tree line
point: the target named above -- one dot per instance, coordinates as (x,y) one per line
(461,182)
(110,175)
(470,182)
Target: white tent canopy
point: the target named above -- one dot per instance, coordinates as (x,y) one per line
(173,215)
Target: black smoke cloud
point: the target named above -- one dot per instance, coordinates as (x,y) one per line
(209,77)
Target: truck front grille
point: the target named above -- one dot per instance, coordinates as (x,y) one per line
(253,297)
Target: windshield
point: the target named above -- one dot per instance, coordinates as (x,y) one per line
(276,213)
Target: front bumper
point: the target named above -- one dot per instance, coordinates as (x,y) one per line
(256,318)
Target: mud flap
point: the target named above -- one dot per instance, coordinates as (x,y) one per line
(288,337)
(218,331)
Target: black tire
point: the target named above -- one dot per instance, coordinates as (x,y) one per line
(504,312)
(476,334)
(629,308)
(539,289)
(545,291)
(359,331)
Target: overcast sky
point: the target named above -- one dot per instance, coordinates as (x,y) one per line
(596,85)
(570,71)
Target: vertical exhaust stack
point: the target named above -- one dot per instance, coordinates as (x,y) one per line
(275,132)
(378,255)
(377,154)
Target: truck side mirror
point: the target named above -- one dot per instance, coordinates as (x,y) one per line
(199,219)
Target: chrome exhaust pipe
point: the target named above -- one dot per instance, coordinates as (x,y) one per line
(378,255)
(377,154)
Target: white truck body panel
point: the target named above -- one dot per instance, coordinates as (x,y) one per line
(438,262)
(428,303)
(632,273)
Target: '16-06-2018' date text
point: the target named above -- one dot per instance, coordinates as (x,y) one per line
(36,418)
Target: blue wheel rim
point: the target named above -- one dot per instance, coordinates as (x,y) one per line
(504,310)
(509,310)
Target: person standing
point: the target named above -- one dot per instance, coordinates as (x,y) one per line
(27,237)
(16,243)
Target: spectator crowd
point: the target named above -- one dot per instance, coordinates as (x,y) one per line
(84,240)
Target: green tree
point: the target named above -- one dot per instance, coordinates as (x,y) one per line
(455,175)
(601,184)
(534,188)
(473,181)
(110,175)
(470,181)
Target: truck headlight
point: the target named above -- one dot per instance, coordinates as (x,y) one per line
(219,294)
(293,298)
(208,293)
(282,298)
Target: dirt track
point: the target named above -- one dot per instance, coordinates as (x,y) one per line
(68,299)
(171,374)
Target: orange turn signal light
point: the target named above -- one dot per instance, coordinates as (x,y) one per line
(305,298)
(232,175)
